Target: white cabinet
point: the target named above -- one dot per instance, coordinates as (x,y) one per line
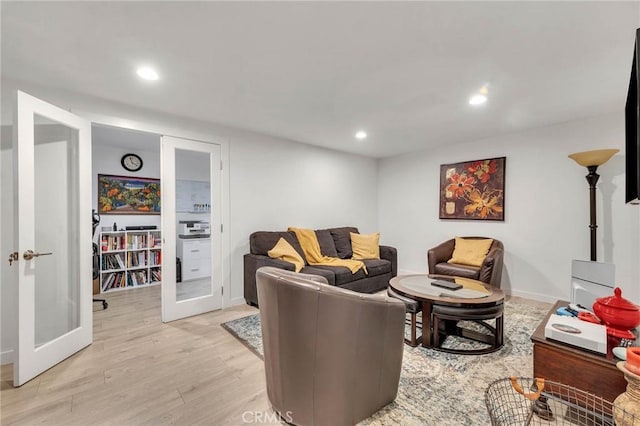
(195,254)
(130,259)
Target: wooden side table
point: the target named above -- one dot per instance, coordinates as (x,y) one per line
(576,367)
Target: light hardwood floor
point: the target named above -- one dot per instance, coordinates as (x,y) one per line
(141,371)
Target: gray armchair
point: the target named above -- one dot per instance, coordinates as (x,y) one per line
(490,272)
(332,356)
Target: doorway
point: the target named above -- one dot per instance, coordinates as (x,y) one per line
(75,187)
(148,240)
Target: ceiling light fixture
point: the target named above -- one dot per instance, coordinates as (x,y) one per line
(480,97)
(361,135)
(147,73)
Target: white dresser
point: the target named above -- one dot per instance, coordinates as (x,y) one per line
(195,254)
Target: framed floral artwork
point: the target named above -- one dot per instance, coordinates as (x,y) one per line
(473,190)
(128,195)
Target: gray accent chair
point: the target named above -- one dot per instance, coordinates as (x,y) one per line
(332,356)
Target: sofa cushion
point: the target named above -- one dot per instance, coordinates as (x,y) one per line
(284,251)
(457,270)
(365,246)
(326,272)
(342,240)
(344,275)
(327,246)
(377,267)
(261,242)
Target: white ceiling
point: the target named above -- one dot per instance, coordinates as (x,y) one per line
(316,72)
(125,138)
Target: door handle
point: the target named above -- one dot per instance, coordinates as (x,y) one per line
(30,254)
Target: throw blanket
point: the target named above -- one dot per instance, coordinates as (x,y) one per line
(311,248)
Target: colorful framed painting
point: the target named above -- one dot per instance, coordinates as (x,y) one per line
(473,190)
(128,195)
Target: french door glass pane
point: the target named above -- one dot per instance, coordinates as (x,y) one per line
(57,281)
(193,213)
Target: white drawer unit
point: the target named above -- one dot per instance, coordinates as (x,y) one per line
(195,254)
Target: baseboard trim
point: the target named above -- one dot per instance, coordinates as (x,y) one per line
(6,357)
(236,301)
(532,296)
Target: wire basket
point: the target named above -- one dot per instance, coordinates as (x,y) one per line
(527,401)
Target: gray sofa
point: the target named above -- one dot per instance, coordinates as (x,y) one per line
(334,242)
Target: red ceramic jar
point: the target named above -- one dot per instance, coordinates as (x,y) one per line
(617,312)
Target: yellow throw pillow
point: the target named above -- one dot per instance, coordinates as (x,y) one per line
(470,252)
(285,251)
(365,246)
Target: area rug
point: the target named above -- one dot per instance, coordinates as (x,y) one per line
(438,388)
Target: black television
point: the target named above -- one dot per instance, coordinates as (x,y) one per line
(632,121)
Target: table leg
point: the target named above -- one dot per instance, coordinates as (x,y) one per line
(426,325)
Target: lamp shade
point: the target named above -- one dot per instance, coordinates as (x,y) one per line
(593,158)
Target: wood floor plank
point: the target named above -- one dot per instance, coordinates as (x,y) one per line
(141,371)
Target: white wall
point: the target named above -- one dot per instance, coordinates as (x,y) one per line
(8,275)
(546,202)
(274,183)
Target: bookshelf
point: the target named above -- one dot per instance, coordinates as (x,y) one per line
(130,259)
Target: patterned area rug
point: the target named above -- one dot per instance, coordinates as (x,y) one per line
(437,388)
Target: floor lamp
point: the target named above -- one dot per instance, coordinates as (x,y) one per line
(591,160)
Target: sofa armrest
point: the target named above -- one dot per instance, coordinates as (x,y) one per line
(252,262)
(390,254)
(491,269)
(440,253)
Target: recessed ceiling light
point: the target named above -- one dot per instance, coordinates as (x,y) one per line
(361,135)
(147,73)
(478,99)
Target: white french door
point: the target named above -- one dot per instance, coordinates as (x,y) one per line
(191,227)
(52,215)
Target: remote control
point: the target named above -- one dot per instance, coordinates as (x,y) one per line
(446,284)
(578,308)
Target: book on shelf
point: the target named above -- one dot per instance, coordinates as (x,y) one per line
(137,277)
(112,261)
(136,259)
(156,258)
(136,241)
(113,280)
(112,242)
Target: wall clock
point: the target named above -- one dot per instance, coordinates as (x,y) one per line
(131,162)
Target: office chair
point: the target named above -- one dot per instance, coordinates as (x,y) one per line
(96,256)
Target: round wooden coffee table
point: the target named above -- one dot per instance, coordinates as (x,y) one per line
(475,301)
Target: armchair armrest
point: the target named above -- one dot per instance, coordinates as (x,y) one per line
(491,269)
(440,253)
(252,262)
(390,254)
